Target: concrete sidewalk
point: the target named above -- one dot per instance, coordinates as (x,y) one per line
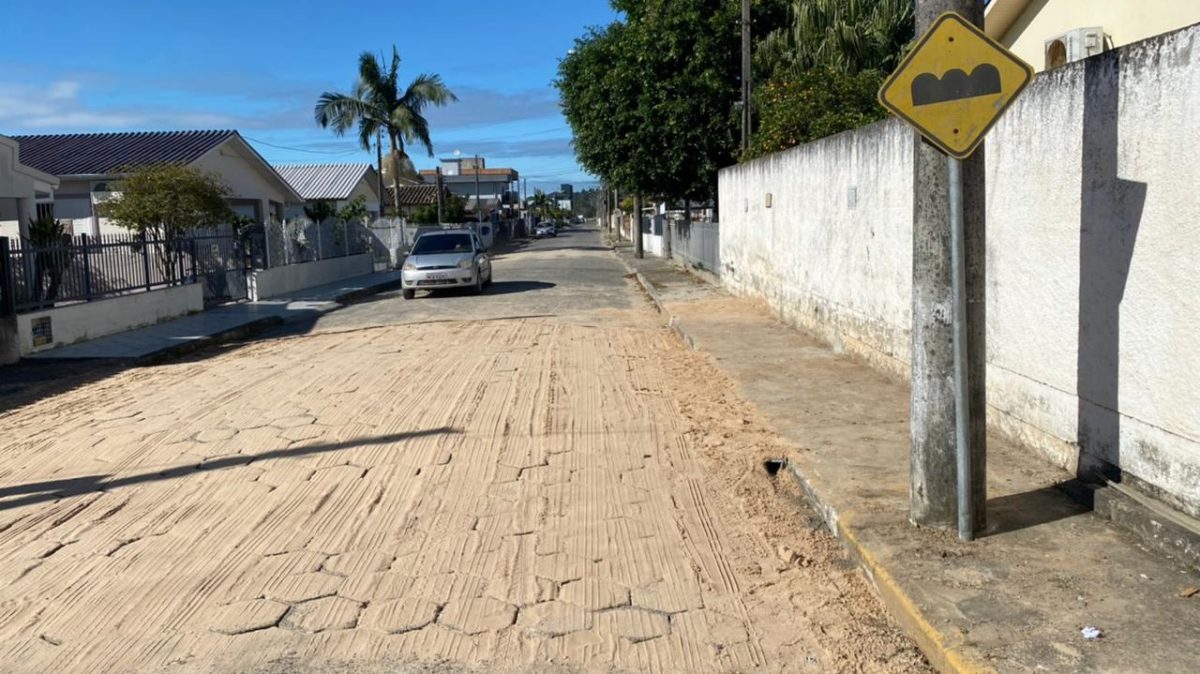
(225,323)
(1014,601)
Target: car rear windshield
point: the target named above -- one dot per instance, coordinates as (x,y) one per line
(436,244)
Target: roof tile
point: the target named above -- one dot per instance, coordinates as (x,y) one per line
(323,181)
(106,153)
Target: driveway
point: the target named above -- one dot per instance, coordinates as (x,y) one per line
(537,479)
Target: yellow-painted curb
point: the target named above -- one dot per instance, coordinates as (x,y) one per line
(937,646)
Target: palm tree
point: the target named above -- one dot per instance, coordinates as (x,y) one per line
(378,105)
(540,203)
(846,35)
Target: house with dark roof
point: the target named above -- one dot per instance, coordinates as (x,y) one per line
(88,164)
(412,197)
(24,191)
(338,184)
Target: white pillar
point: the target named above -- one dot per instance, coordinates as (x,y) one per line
(26,211)
(264,221)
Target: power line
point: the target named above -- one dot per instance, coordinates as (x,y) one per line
(300,149)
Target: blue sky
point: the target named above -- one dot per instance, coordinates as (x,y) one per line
(258,66)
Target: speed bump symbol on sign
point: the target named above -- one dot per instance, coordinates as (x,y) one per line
(954,85)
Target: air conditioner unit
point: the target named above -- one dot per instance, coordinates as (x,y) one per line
(1075,45)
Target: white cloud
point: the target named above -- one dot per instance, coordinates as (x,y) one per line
(63,105)
(63,90)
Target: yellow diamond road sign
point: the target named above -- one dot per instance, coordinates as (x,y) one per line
(954,85)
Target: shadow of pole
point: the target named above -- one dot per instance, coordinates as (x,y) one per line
(53,490)
(1110,215)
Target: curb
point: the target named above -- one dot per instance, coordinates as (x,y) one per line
(943,650)
(939,647)
(360,293)
(234,334)
(648,287)
(252,328)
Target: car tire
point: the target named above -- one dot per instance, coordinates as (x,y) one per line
(478,288)
(409,293)
(488,282)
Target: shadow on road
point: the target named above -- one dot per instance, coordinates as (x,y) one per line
(30,381)
(27,382)
(510,287)
(52,490)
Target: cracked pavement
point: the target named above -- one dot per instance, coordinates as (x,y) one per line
(502,482)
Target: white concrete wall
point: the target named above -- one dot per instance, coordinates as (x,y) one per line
(280,281)
(1093,228)
(832,252)
(89,320)
(1124,21)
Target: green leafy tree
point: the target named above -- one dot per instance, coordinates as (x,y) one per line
(540,204)
(377,104)
(587,202)
(165,203)
(454,210)
(355,211)
(600,89)
(353,216)
(817,103)
(651,99)
(820,73)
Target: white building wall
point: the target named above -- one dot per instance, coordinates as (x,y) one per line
(279,281)
(1124,21)
(244,175)
(1093,227)
(89,320)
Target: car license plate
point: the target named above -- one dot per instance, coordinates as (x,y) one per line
(438,277)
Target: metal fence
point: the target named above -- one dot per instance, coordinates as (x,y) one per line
(389,239)
(85,268)
(698,244)
(301,240)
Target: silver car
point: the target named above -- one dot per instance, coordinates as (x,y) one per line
(453,258)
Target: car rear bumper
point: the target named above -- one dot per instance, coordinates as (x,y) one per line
(432,279)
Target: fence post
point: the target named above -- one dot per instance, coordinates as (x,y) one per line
(194,253)
(87,267)
(8,300)
(146,259)
(179,251)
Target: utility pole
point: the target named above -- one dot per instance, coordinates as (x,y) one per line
(478,196)
(637,226)
(440,190)
(933,476)
(747,118)
(617,210)
(379,157)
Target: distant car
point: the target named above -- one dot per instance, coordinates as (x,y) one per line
(441,259)
(544,230)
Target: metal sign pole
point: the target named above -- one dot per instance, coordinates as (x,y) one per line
(962,410)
